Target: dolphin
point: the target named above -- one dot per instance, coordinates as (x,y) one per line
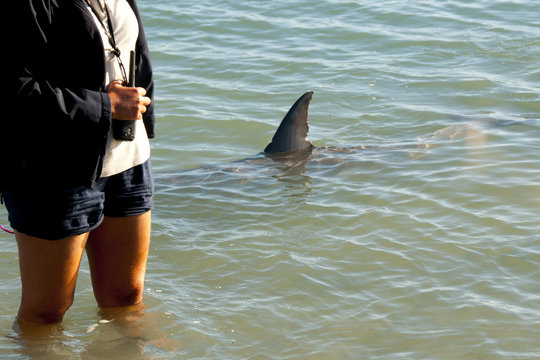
(290,148)
(291,135)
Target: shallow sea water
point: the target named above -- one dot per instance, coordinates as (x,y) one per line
(410,233)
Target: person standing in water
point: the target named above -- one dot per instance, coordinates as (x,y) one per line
(67,182)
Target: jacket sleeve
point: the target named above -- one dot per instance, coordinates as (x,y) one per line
(31,91)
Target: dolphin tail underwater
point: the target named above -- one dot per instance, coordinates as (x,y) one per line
(291,134)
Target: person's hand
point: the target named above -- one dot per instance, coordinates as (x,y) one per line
(127,103)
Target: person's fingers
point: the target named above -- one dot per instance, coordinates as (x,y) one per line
(115,84)
(145,100)
(142,91)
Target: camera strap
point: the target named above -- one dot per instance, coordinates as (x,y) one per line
(103,15)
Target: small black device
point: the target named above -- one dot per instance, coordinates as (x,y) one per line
(124,130)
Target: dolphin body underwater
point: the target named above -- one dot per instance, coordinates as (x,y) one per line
(290,149)
(290,139)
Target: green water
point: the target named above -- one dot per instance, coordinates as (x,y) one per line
(424,245)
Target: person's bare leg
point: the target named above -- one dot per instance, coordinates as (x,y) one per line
(49,272)
(117,252)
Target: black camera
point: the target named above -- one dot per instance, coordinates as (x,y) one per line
(124,130)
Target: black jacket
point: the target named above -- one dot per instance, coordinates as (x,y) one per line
(54,113)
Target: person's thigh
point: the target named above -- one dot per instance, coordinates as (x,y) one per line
(48,274)
(117,252)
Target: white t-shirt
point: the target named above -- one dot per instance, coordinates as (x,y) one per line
(121,155)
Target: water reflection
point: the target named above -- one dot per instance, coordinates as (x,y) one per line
(131,332)
(41,342)
(121,333)
(292,170)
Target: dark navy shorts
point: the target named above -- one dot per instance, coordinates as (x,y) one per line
(54,214)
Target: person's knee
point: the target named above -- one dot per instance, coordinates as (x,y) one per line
(131,297)
(44,313)
(126,296)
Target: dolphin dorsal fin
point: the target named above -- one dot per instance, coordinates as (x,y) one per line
(291,134)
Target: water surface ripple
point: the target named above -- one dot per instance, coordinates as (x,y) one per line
(410,233)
